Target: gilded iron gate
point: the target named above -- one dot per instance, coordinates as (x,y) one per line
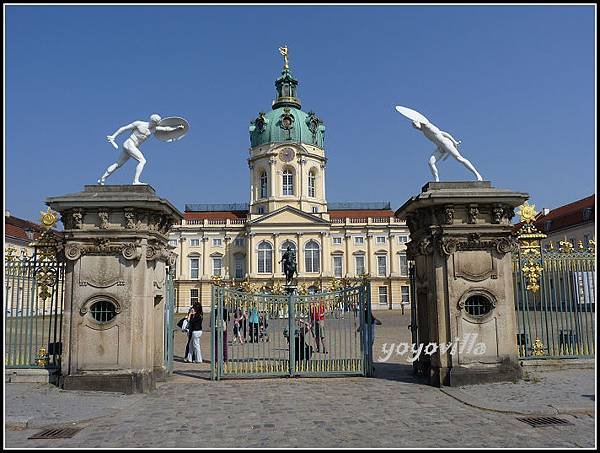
(33,302)
(554,295)
(317,334)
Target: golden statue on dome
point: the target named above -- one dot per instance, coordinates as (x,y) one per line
(284,52)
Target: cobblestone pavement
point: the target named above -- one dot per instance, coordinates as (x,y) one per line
(394,409)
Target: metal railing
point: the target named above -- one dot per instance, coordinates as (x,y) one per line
(320,334)
(554,297)
(33,307)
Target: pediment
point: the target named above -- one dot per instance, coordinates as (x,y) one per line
(289,215)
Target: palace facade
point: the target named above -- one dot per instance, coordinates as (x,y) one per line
(288,208)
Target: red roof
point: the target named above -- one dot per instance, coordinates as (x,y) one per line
(19,228)
(215,215)
(357,213)
(15,232)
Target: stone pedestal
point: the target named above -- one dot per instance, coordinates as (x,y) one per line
(461,245)
(115,287)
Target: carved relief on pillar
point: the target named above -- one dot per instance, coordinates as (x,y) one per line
(423,246)
(412,222)
(130,219)
(448,215)
(157,252)
(473,212)
(505,245)
(76,218)
(448,246)
(509,213)
(103,219)
(129,250)
(497,214)
(154,220)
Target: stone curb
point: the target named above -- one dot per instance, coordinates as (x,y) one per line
(534,410)
(16,423)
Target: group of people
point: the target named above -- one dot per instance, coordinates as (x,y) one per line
(255,324)
(254,321)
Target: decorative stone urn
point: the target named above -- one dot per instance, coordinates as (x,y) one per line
(117,254)
(461,245)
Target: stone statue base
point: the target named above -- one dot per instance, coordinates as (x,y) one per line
(117,253)
(290,289)
(462,247)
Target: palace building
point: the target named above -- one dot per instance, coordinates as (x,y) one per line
(288,207)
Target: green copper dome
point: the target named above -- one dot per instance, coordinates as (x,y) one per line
(286,122)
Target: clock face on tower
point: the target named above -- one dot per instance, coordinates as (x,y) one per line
(286,154)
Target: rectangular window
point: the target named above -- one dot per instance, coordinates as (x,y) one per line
(239,267)
(403,265)
(194,296)
(239,242)
(380,239)
(381,265)
(217,265)
(337,266)
(383,299)
(315,210)
(173,242)
(359,240)
(194,242)
(217,242)
(405,295)
(194,267)
(402,239)
(288,183)
(359,260)
(337,241)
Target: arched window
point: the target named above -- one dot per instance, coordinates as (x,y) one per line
(263,184)
(312,183)
(265,258)
(283,249)
(312,258)
(288,182)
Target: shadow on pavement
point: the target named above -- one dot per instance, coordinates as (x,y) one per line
(397,372)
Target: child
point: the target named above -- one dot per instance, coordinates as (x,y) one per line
(237,322)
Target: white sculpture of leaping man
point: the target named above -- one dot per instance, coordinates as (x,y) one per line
(141,131)
(446,144)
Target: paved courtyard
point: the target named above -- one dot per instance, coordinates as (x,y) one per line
(393,409)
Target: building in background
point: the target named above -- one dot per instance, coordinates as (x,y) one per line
(19,234)
(574,222)
(288,208)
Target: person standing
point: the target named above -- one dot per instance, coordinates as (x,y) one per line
(254,321)
(317,317)
(195,332)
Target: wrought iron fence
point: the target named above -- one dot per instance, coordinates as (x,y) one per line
(33,306)
(554,297)
(320,334)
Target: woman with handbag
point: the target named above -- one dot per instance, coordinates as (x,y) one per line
(195,332)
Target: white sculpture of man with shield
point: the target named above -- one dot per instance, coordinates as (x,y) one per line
(446,144)
(167,129)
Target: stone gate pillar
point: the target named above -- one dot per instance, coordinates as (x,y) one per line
(117,251)
(461,244)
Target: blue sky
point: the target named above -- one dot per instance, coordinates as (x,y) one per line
(515,84)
